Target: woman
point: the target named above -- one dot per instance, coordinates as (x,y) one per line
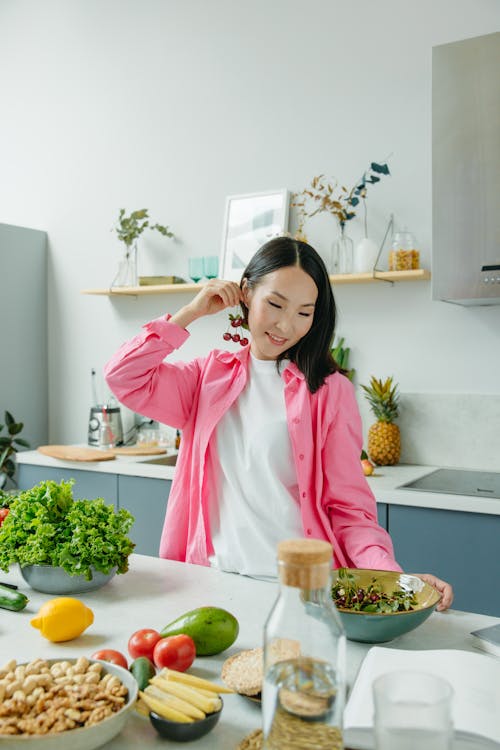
(271,434)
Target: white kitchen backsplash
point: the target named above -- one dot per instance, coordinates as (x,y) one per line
(438,429)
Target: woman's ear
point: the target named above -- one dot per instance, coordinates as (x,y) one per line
(246,292)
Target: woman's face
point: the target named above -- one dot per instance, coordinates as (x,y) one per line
(280,311)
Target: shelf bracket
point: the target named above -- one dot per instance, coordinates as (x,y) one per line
(376,270)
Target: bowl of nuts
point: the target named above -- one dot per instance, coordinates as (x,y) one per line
(378,605)
(56,704)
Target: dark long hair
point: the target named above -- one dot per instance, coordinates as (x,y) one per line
(312,353)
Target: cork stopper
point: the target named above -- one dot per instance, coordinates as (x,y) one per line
(304,563)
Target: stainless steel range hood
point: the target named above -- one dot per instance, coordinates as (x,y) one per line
(466,171)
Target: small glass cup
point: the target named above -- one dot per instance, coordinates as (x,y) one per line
(210,266)
(412,711)
(149,438)
(196,270)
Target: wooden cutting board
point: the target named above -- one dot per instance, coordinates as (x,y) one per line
(139,450)
(75,453)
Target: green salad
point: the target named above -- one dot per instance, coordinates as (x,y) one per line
(46,526)
(347,594)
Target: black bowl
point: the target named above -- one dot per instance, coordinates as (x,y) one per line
(181,732)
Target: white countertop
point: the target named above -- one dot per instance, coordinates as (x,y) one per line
(136,466)
(384,482)
(156,591)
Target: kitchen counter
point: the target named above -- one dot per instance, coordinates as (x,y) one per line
(135,466)
(384,482)
(154,592)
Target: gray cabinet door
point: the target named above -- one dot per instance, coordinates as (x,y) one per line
(382,514)
(461,548)
(88,484)
(24,384)
(146,499)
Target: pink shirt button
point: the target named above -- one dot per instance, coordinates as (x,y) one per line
(308,532)
(301,456)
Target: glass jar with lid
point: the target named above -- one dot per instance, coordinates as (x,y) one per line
(304,653)
(403,255)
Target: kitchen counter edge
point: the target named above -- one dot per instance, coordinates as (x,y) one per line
(384,483)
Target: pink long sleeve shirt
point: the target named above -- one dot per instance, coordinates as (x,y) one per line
(336,502)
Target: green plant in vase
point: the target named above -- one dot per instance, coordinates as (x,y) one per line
(129,228)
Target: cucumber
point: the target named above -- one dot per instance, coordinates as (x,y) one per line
(143,670)
(211,628)
(12,599)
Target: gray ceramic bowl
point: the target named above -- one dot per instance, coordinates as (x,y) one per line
(84,738)
(50,580)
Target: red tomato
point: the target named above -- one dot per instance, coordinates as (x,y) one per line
(115,657)
(4,512)
(142,643)
(175,652)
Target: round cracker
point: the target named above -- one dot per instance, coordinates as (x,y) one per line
(243,672)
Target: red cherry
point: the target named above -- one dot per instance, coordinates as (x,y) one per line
(226,336)
(236,337)
(243,341)
(235,323)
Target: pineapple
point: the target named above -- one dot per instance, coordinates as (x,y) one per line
(384,441)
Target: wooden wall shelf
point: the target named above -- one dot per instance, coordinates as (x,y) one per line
(420,274)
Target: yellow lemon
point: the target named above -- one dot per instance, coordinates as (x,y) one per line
(62,619)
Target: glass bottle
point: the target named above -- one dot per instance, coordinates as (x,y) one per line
(303,690)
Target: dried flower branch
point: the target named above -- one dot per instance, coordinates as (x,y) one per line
(326,195)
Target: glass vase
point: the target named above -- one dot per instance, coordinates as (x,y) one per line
(127,268)
(333,264)
(342,251)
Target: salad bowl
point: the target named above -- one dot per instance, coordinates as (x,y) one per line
(403,602)
(52,580)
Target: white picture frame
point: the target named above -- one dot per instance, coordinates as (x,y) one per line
(250,220)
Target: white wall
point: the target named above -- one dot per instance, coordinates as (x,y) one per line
(172,105)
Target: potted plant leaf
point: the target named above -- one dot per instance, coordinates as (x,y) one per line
(8,448)
(129,228)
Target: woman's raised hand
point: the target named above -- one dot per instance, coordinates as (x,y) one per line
(213,297)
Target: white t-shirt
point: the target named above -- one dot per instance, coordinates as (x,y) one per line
(257,503)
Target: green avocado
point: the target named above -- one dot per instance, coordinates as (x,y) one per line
(211,628)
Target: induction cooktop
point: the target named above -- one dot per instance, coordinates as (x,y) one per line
(457,482)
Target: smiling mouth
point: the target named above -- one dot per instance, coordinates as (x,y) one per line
(276,340)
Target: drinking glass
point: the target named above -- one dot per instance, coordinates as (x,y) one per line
(210,266)
(412,711)
(196,271)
